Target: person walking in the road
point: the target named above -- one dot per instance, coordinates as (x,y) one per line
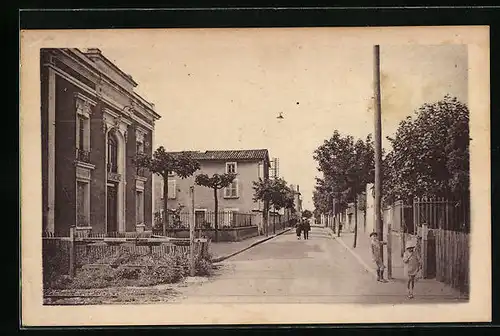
(412,265)
(376,248)
(306,227)
(298,229)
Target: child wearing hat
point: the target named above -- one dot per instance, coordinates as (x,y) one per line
(376,247)
(412,265)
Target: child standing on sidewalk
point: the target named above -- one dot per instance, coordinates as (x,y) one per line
(412,265)
(376,247)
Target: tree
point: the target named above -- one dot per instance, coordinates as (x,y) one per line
(274,192)
(347,166)
(216,182)
(430,153)
(306,214)
(163,163)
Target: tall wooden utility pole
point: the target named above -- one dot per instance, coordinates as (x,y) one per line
(378,143)
(192,263)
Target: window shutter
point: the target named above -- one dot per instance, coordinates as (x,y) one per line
(235,188)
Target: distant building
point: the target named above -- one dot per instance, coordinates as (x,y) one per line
(93,124)
(249,165)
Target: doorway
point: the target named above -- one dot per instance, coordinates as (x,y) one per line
(111,209)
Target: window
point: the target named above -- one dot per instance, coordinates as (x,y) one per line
(83,113)
(81,133)
(232,190)
(260,170)
(82,204)
(139,202)
(200,217)
(231,168)
(172,189)
(112,153)
(140,147)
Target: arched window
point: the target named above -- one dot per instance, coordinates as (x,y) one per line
(112,153)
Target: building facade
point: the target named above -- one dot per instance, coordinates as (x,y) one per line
(249,165)
(93,124)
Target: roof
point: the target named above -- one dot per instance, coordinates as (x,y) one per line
(247,154)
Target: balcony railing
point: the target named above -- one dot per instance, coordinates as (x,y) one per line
(83,155)
(115,177)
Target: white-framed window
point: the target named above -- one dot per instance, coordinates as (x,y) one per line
(231,168)
(232,190)
(200,217)
(139,205)
(227,218)
(260,170)
(172,189)
(82,203)
(171,174)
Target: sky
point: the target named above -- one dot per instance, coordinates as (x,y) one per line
(226,92)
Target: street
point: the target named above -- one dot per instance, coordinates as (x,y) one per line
(287,270)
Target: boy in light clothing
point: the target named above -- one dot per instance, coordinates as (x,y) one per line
(376,248)
(412,265)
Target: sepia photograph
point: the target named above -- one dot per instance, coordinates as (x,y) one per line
(344,169)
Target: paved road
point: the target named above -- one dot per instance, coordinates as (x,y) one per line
(287,270)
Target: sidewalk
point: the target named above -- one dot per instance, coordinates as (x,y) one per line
(223,250)
(362,253)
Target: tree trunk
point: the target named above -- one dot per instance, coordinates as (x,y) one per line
(165,204)
(266,218)
(355,220)
(274,220)
(216,208)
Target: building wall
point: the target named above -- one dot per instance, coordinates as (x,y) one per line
(130,191)
(204,197)
(65,171)
(97,183)
(148,187)
(44,126)
(65,148)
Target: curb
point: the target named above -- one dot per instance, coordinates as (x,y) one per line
(219,259)
(358,258)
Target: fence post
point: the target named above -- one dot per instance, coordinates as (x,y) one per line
(424,249)
(72,252)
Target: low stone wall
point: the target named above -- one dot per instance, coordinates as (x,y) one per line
(225,234)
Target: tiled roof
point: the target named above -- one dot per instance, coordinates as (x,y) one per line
(247,154)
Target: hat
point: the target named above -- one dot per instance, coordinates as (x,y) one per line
(373,234)
(411,244)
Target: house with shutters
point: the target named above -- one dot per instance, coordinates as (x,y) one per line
(249,165)
(93,123)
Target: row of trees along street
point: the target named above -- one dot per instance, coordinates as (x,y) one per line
(272,192)
(429,157)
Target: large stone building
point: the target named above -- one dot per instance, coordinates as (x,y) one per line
(93,124)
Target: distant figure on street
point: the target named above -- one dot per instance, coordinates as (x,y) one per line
(306,227)
(376,247)
(298,228)
(412,265)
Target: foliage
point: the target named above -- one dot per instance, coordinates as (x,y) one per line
(306,214)
(126,268)
(274,191)
(430,155)
(347,166)
(217,181)
(176,215)
(162,163)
